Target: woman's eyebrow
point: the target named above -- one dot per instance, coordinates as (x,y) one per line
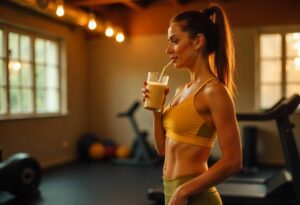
(172,37)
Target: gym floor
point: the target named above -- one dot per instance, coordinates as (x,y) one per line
(100,183)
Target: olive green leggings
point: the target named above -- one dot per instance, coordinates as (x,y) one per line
(206,197)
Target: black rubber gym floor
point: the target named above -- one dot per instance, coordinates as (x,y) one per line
(100,183)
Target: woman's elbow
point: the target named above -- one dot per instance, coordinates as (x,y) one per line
(236,167)
(160,152)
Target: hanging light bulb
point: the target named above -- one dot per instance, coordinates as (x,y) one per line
(60,11)
(92,22)
(109,31)
(120,37)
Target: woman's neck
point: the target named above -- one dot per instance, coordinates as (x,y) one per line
(201,71)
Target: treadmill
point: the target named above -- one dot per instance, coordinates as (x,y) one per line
(268,185)
(257,185)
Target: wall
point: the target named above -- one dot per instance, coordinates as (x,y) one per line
(50,140)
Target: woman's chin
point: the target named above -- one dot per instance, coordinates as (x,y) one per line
(177,66)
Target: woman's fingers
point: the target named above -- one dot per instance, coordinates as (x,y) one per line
(167,90)
(144,95)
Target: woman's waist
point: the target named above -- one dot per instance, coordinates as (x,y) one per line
(178,169)
(170,185)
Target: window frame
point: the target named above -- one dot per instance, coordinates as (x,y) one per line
(33,33)
(282,30)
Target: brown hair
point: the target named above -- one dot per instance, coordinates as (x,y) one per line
(213,24)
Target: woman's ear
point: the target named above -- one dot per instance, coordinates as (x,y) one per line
(199,41)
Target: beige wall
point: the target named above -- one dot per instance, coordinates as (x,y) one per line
(50,140)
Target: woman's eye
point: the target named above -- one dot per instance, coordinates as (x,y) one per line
(174,41)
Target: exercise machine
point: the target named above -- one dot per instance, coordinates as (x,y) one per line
(20,175)
(142,153)
(257,185)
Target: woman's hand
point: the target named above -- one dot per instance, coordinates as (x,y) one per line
(145,91)
(178,198)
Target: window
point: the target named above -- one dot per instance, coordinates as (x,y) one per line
(30,74)
(279,63)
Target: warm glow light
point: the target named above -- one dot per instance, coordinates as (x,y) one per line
(14,65)
(92,23)
(297,47)
(296,36)
(297,63)
(120,37)
(60,11)
(109,31)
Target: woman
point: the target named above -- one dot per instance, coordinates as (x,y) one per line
(200,111)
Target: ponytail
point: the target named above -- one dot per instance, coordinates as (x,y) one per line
(213,24)
(224,55)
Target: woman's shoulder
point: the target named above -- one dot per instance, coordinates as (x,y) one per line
(216,90)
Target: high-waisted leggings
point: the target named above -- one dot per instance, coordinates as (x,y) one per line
(206,197)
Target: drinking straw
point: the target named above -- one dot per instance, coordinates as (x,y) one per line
(163,71)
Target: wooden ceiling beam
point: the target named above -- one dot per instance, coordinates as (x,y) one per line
(174,2)
(99,2)
(133,5)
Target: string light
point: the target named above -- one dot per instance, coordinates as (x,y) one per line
(92,25)
(120,37)
(109,31)
(60,11)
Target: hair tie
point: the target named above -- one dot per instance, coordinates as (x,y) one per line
(208,12)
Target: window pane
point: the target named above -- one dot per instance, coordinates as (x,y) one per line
(1,44)
(270,46)
(52,53)
(41,101)
(52,101)
(293,70)
(2,73)
(269,95)
(14,77)
(270,71)
(52,77)
(293,44)
(27,101)
(2,101)
(26,75)
(292,89)
(25,48)
(39,51)
(13,45)
(40,76)
(15,100)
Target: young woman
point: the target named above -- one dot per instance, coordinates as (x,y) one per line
(201,110)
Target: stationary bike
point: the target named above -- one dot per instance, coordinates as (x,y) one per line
(20,175)
(142,153)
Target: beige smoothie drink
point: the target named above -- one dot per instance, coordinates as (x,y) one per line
(156,96)
(156,85)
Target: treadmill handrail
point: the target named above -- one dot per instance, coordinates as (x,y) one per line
(284,108)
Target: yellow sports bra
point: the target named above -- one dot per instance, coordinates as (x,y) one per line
(183,123)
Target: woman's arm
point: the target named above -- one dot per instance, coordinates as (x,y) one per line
(223,114)
(159,133)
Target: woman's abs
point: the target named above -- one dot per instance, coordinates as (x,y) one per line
(182,159)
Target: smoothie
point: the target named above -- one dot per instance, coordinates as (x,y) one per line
(156,96)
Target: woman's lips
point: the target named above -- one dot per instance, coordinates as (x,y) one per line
(173,59)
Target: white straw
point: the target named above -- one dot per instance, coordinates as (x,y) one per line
(163,71)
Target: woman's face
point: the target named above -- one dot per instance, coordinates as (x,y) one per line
(181,48)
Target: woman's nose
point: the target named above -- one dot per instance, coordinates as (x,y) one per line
(168,49)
